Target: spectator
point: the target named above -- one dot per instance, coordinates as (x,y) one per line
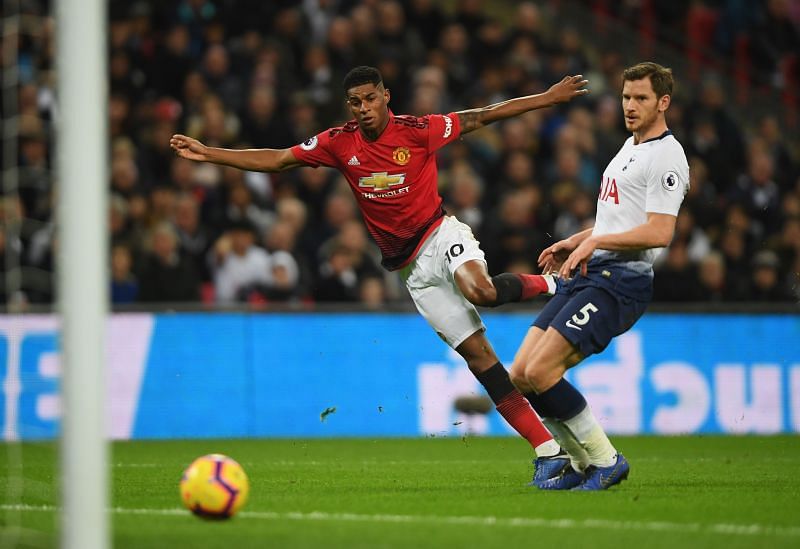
(713,285)
(510,234)
(427,18)
(608,130)
(124,176)
(282,237)
(463,198)
(285,276)
(578,216)
(774,37)
(677,279)
(124,286)
(238,265)
(365,258)
(118,220)
(263,125)
(34,177)
(241,207)
(227,86)
(766,284)
(786,244)
(173,62)
(757,191)
(702,200)
(156,158)
(698,245)
(251,74)
(372,293)
(337,280)
(194,239)
(166,276)
(162,204)
(769,132)
(737,261)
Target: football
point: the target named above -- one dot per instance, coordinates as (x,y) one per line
(214,486)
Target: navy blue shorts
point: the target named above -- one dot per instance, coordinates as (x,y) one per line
(589,316)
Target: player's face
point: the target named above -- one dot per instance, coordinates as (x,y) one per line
(640,106)
(369,105)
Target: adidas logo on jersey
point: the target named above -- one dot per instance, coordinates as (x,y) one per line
(353,161)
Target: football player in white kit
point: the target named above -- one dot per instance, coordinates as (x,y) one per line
(605,279)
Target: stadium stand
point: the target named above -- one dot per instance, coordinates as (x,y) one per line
(249,73)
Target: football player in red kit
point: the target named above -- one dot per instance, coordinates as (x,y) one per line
(390,163)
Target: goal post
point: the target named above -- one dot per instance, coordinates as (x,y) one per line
(82,145)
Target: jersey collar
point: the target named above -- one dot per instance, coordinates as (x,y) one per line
(662,136)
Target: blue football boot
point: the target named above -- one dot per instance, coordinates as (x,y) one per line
(548,467)
(567,479)
(603,478)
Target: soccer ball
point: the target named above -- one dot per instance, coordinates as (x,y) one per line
(214,486)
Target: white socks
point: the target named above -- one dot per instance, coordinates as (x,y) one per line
(578,457)
(547,449)
(550,279)
(587,431)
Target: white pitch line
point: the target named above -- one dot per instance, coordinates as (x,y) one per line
(289,463)
(394,463)
(517,522)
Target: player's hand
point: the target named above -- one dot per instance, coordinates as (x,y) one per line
(551,259)
(568,89)
(579,258)
(187,147)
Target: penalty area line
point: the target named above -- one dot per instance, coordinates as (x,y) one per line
(514,522)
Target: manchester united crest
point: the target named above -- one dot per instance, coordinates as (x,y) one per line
(401,156)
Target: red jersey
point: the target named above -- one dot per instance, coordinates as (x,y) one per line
(393,178)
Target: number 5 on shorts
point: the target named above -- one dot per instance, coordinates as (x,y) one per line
(582,316)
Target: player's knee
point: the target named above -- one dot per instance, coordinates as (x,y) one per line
(481,293)
(542,376)
(538,379)
(534,374)
(518,378)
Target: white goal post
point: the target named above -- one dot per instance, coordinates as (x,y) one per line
(82,145)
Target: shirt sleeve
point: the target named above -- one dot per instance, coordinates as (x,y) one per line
(667,182)
(442,129)
(316,151)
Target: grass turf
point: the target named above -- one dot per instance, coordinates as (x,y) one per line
(683,491)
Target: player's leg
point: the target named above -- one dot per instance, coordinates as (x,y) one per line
(482,361)
(543,374)
(480,289)
(459,325)
(462,254)
(585,324)
(578,459)
(430,282)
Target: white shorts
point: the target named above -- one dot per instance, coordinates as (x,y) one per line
(429,279)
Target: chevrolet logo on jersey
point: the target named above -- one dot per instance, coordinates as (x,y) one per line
(381,180)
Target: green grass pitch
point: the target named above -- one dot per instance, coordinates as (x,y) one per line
(682,492)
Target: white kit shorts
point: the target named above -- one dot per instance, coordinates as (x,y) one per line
(429,279)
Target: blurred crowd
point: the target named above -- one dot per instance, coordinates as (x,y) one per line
(250,73)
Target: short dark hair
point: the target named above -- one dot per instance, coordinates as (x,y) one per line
(241,225)
(362,75)
(660,77)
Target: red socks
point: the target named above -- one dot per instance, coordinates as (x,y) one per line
(518,413)
(532,285)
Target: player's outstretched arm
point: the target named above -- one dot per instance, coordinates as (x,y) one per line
(566,90)
(254,160)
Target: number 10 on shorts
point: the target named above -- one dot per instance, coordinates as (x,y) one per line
(581,317)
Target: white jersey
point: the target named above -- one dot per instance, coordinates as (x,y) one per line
(651,177)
